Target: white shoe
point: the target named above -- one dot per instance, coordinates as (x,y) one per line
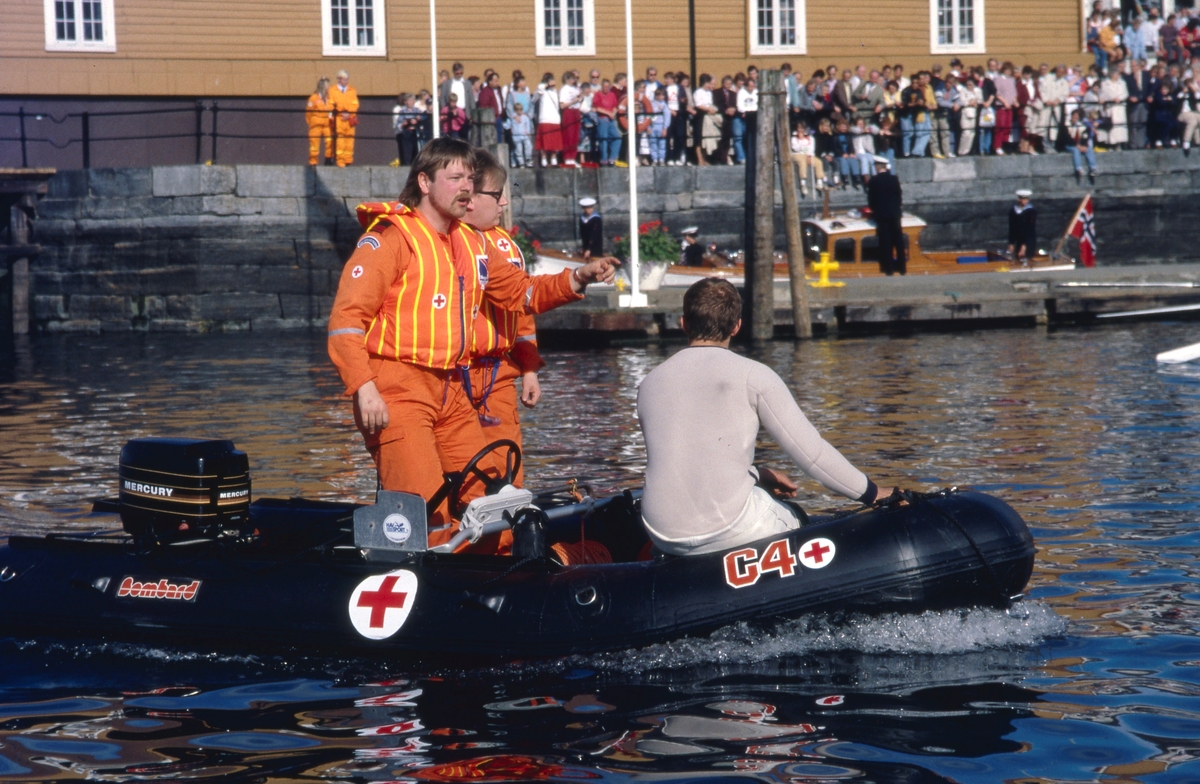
(1187,145)
(1000,152)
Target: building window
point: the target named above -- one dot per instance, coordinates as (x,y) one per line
(956,26)
(777,27)
(364,22)
(353,28)
(565,27)
(79,26)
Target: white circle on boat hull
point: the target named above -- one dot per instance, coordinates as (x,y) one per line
(396,528)
(817,553)
(381,603)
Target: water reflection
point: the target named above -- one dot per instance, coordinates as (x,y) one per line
(1079,430)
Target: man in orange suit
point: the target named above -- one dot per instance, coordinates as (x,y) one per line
(505,342)
(401,327)
(343,100)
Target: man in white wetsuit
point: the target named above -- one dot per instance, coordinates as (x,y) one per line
(700,413)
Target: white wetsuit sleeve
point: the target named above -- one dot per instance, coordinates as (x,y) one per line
(786,423)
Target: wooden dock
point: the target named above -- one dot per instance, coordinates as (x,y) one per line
(914,302)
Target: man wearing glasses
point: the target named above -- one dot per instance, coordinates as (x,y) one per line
(504,342)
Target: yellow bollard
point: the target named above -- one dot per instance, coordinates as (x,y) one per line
(824,267)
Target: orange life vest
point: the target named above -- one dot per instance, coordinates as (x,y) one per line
(316,114)
(496,330)
(412,294)
(426,315)
(344,102)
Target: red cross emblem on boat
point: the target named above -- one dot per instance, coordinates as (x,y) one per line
(817,553)
(382,600)
(380,604)
(439,300)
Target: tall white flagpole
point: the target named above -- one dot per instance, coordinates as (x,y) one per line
(436,118)
(634,299)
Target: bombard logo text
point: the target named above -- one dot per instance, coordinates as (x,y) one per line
(158,590)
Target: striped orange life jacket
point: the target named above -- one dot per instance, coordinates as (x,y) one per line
(497,331)
(428,313)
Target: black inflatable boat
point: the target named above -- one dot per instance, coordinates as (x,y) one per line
(197,564)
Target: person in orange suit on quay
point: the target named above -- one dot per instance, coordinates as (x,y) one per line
(504,347)
(318,115)
(402,322)
(344,100)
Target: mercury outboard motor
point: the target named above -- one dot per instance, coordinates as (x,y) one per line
(183,488)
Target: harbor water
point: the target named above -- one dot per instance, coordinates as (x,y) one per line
(1095,676)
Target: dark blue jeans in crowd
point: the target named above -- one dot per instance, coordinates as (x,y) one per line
(1078,158)
(610,140)
(924,129)
(739,137)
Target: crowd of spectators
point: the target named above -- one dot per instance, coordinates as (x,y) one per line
(1142,90)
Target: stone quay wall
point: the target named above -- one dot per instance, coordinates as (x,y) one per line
(195,248)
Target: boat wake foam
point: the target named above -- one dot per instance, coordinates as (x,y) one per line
(745,647)
(931,633)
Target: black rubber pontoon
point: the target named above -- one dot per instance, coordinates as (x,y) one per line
(295,578)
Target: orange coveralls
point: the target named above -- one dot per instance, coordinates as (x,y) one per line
(317,115)
(504,347)
(344,102)
(402,318)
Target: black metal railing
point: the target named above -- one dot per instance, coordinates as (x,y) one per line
(684,136)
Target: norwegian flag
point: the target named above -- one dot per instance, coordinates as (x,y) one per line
(1084,227)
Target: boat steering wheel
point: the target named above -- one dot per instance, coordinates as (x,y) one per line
(512,464)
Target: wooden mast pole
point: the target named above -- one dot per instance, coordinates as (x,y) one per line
(801,317)
(761,276)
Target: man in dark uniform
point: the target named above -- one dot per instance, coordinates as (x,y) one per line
(885,200)
(591,230)
(692,253)
(1022,228)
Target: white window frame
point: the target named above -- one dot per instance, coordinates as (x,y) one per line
(979,46)
(801,44)
(379,26)
(108,29)
(564,50)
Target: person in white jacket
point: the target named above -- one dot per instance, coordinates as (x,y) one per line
(1056,91)
(700,412)
(863,138)
(804,154)
(549,121)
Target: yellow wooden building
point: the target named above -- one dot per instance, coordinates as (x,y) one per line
(199,48)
